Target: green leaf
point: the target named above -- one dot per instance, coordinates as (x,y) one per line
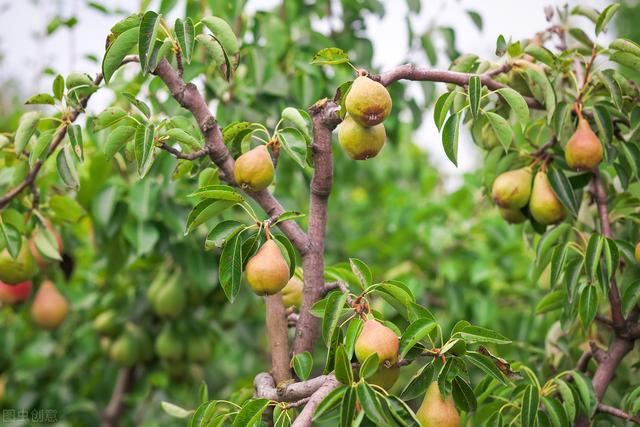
(147,37)
(541,53)
(477,334)
(585,391)
(41,146)
(588,304)
(555,411)
(223,34)
(330,56)
(41,99)
(67,168)
(46,244)
(558,258)
(230,267)
(608,80)
(26,128)
(143,148)
(118,139)
(592,255)
(75,138)
(562,188)
(353,330)
(66,209)
(184,138)
(250,413)
(581,36)
(370,366)
(108,118)
(547,241)
(222,232)
(329,402)
(463,395)
(530,400)
(204,211)
(630,296)
(144,108)
(289,251)
(214,50)
(517,104)
(175,410)
(568,399)
(415,332)
(501,128)
(627,59)
(626,45)
(288,216)
(554,300)
(419,382)
(606,16)
(348,407)
(362,272)
(501,45)
(58,87)
(370,404)
(117,51)
(217,192)
(450,133)
(11,237)
(185,33)
(342,366)
(302,365)
(441,108)
(475,91)
(476,18)
(485,364)
(294,116)
(542,81)
(335,302)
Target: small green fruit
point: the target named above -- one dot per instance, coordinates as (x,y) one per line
(267,271)
(361,143)
(512,189)
(368,102)
(20,269)
(170,299)
(106,323)
(436,411)
(544,204)
(377,338)
(386,377)
(583,150)
(292,293)
(254,169)
(125,350)
(168,345)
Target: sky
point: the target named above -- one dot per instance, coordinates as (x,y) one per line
(26,52)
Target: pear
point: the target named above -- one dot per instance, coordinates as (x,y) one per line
(125,350)
(267,271)
(198,348)
(20,269)
(484,135)
(512,216)
(292,293)
(106,323)
(512,189)
(368,102)
(544,205)
(49,307)
(377,338)
(170,299)
(638,252)
(386,377)
(583,150)
(436,411)
(13,294)
(254,169)
(361,143)
(168,345)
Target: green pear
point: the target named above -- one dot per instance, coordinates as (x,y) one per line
(544,204)
(267,271)
(512,189)
(168,345)
(386,377)
(170,299)
(292,293)
(125,350)
(254,169)
(106,323)
(512,216)
(583,150)
(198,348)
(436,411)
(368,102)
(377,338)
(483,135)
(20,269)
(49,307)
(360,143)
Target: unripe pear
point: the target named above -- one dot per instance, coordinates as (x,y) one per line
(254,169)
(436,411)
(267,271)
(368,102)
(512,189)
(386,377)
(544,204)
(106,323)
(198,348)
(125,350)
(168,345)
(488,137)
(292,293)
(13,294)
(377,338)
(170,299)
(512,216)
(638,252)
(49,307)
(360,143)
(583,150)
(20,269)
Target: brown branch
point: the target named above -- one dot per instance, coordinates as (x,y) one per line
(265,387)
(113,411)
(410,72)
(606,409)
(305,417)
(324,118)
(186,156)
(278,338)
(583,362)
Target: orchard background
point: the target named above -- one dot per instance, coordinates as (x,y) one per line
(125,234)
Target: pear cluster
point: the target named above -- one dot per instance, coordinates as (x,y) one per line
(267,271)
(515,191)
(362,134)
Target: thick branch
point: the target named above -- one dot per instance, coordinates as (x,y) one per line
(606,409)
(410,72)
(112,413)
(278,338)
(324,121)
(265,387)
(304,419)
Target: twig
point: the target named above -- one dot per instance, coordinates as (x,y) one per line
(187,156)
(305,417)
(112,413)
(606,409)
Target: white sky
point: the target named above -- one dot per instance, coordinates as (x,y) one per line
(26,52)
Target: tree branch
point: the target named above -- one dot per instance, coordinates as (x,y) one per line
(278,338)
(304,419)
(265,387)
(606,409)
(186,156)
(410,72)
(112,413)
(324,118)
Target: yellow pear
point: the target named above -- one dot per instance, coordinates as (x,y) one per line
(436,411)
(377,338)
(512,189)
(267,271)
(18,269)
(359,142)
(544,205)
(583,150)
(368,102)
(49,307)
(292,293)
(512,216)
(254,169)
